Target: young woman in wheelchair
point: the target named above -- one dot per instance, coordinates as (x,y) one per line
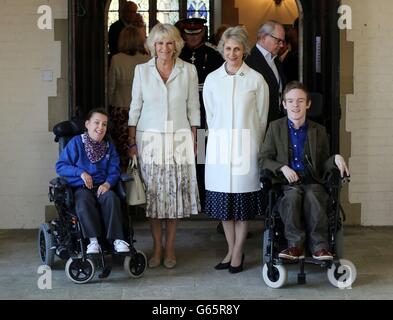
(91,166)
(298,149)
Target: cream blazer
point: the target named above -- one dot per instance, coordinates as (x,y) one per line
(236,113)
(120,75)
(154,103)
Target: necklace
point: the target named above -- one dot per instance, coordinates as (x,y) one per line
(229,72)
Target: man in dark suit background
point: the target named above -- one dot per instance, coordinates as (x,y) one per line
(264,59)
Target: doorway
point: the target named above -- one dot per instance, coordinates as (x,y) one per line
(319,59)
(318,56)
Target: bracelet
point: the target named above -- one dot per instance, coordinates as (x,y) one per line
(130,146)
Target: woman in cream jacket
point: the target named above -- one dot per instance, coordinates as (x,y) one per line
(164,115)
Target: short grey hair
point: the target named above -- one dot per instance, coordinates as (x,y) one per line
(238,34)
(163,31)
(267,28)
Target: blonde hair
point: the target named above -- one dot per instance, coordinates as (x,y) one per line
(238,34)
(131,41)
(163,31)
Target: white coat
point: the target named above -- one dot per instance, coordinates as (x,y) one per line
(155,102)
(236,113)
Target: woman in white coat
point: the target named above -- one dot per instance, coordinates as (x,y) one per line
(236,102)
(164,115)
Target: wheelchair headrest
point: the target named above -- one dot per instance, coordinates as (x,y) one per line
(68,128)
(316,110)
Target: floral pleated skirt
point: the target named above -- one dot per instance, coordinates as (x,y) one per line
(167,165)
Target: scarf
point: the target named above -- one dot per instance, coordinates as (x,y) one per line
(95,150)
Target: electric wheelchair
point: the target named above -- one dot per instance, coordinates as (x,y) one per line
(274,270)
(62,236)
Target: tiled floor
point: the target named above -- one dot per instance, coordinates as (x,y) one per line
(199,248)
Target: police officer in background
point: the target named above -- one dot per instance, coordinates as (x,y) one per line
(206,60)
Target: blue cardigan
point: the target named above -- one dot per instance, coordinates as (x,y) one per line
(73,161)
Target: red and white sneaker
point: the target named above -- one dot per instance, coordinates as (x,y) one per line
(291,253)
(322,254)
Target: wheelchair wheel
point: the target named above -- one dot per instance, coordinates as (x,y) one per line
(80,271)
(46,245)
(342,274)
(135,265)
(277,278)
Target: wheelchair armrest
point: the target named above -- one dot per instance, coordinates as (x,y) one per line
(268,178)
(61,192)
(266,174)
(120,187)
(125,177)
(120,190)
(58,182)
(332,178)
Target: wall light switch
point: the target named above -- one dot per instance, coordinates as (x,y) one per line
(47,75)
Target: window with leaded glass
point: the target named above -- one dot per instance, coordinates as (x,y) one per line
(166,11)
(113,13)
(199,9)
(143,9)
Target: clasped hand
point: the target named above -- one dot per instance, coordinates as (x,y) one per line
(88,180)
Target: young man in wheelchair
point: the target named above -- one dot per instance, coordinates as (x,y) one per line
(297,151)
(91,166)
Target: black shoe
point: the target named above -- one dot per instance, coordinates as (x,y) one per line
(222,266)
(238,268)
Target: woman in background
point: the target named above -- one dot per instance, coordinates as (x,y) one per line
(121,74)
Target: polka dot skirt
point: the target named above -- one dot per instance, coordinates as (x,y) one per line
(234,206)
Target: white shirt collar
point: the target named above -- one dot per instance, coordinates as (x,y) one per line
(265,53)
